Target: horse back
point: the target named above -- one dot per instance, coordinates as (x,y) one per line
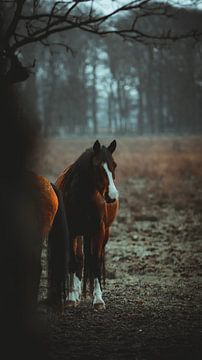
(48,203)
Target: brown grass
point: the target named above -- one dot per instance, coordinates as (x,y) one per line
(173,165)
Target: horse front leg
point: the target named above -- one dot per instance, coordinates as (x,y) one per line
(98,302)
(98,246)
(74,291)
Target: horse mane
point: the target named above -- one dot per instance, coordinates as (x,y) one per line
(79,175)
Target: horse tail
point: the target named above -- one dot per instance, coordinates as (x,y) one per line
(58,253)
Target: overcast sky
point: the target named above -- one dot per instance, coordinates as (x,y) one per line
(110,5)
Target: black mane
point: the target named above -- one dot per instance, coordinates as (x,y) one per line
(80,175)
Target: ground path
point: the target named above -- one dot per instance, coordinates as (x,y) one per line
(153,286)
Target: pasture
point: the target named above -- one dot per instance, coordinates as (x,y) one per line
(153,258)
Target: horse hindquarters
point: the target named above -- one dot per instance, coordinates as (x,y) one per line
(58,252)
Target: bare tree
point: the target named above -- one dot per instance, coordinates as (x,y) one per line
(31,21)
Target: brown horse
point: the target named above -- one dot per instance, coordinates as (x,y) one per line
(91,203)
(47,207)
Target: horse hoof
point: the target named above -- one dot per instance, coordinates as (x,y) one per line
(71,304)
(99,306)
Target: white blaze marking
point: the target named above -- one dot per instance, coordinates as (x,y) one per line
(112,191)
(97,293)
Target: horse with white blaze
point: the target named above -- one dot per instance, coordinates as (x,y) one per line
(91,202)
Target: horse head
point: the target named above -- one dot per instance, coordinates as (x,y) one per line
(104,170)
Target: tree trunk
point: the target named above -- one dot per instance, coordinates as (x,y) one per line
(94,98)
(140,119)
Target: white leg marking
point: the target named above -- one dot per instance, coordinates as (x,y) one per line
(97,294)
(112,191)
(75,288)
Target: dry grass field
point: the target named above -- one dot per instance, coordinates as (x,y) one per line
(171,166)
(136,156)
(153,256)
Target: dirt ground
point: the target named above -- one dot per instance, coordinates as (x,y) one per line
(152,292)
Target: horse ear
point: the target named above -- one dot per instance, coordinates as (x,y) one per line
(112,146)
(96,147)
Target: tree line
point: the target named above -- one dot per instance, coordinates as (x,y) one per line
(100,79)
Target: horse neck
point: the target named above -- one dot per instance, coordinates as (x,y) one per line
(82,172)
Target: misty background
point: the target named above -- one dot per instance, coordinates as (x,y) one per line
(139,85)
(83,83)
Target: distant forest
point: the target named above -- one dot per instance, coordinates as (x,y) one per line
(111,85)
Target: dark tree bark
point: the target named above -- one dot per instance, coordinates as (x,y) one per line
(94,97)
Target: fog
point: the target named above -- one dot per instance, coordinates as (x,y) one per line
(93,84)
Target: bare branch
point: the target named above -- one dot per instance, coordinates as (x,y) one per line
(16,19)
(60,44)
(62,17)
